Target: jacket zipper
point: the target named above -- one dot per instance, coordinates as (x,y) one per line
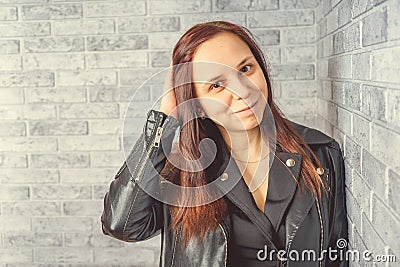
(226,243)
(155,144)
(173,250)
(322,232)
(284,262)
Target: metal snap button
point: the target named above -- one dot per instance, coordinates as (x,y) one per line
(320,171)
(290,162)
(224,176)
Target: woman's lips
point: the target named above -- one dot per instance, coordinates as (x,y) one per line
(247,108)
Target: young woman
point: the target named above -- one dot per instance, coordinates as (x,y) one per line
(283,198)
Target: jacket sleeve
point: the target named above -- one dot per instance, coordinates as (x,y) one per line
(130,212)
(338,235)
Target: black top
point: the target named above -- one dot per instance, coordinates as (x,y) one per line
(246,235)
(248,239)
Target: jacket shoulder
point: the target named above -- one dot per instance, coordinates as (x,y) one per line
(312,136)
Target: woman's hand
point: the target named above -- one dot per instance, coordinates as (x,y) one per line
(168,100)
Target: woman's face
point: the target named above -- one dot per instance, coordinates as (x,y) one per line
(229,82)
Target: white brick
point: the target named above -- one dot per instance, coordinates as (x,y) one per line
(117,42)
(13,160)
(22,29)
(371,238)
(374,171)
(361,191)
(272,54)
(62,224)
(91,240)
(361,130)
(16,255)
(340,67)
(26,79)
(148,24)
(10,62)
(117,60)
(299,4)
(87,77)
(161,40)
(280,18)
(8,13)
(11,95)
(28,176)
(58,128)
(54,62)
(158,7)
(14,192)
(59,94)
(393,107)
(28,144)
(188,21)
(32,208)
(61,192)
(299,54)
(381,140)
(375,28)
(33,240)
(293,72)
(361,65)
(89,176)
(352,153)
(298,89)
(140,257)
(83,27)
(298,35)
(53,12)
(106,159)
(394,19)
(60,160)
(332,21)
(12,129)
(122,8)
(15,224)
(93,110)
(385,223)
(27,112)
(89,143)
(63,255)
(384,65)
(9,46)
(54,44)
(106,126)
(393,185)
(296,106)
(82,208)
(345,121)
(245,5)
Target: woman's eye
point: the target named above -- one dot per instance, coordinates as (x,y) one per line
(245,68)
(216,85)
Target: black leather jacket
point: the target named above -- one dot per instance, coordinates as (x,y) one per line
(132,215)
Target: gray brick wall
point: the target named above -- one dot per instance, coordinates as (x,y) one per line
(68,71)
(358,96)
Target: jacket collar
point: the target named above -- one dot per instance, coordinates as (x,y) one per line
(231,184)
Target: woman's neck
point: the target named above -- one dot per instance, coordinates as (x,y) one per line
(245,146)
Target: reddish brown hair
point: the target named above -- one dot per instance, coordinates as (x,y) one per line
(197,221)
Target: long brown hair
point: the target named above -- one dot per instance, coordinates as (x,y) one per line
(197,221)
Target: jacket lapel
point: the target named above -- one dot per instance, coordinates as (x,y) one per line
(233,186)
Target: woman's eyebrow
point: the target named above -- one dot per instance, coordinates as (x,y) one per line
(243,61)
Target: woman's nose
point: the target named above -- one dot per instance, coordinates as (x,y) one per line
(240,89)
